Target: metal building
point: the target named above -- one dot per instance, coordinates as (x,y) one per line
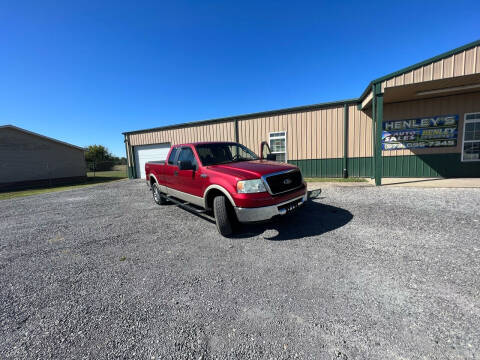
(27,158)
(421,121)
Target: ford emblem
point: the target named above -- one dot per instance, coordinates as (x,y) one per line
(287,181)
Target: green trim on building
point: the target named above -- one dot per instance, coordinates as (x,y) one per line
(378,139)
(374,129)
(431,165)
(131,172)
(320,167)
(357,167)
(360,167)
(129,154)
(132,162)
(345,141)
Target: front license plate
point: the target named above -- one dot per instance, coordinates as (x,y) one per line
(291,206)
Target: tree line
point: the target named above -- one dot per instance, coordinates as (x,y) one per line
(98,158)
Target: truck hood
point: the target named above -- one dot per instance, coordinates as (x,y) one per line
(251,169)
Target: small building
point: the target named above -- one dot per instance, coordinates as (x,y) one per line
(420,121)
(30,159)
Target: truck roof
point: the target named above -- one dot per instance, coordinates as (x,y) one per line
(205,142)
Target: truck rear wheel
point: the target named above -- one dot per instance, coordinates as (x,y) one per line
(223,217)
(157,196)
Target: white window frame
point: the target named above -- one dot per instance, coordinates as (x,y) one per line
(278,137)
(465,121)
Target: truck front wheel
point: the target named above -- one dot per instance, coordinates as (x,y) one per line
(223,217)
(157,196)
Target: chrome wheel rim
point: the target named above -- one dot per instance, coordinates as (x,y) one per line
(156,194)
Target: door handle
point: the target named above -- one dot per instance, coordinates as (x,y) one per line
(175,173)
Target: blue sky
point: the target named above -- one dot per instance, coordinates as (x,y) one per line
(85,71)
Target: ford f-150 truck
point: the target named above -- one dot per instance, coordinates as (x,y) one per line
(228,180)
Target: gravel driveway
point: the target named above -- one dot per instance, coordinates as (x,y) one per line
(361,273)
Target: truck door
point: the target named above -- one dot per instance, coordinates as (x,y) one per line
(170,168)
(188,181)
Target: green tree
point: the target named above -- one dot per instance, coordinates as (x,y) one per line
(98,153)
(98,158)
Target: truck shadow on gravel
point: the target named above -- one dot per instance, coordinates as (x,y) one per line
(312,219)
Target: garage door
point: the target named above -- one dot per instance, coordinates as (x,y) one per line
(145,153)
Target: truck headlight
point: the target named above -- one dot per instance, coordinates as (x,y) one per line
(250,186)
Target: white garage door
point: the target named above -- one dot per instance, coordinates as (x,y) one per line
(145,153)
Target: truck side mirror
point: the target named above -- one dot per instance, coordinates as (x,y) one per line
(265,152)
(185,165)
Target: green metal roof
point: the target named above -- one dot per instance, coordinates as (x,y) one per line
(248,116)
(417,65)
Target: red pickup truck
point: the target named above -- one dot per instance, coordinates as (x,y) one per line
(228,180)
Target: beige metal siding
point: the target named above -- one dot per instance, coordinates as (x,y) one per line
(447,105)
(26,157)
(312,134)
(466,62)
(252,132)
(359,133)
(222,131)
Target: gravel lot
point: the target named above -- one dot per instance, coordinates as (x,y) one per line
(361,273)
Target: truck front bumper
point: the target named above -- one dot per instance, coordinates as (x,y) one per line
(267,212)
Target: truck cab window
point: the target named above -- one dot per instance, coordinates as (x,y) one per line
(171,158)
(186,154)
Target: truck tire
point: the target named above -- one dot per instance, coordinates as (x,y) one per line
(222,218)
(157,195)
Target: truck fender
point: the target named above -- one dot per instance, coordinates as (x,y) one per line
(156,180)
(163,188)
(218,187)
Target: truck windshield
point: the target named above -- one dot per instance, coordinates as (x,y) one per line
(222,153)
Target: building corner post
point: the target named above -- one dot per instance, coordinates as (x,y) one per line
(345,141)
(374,133)
(130,165)
(378,136)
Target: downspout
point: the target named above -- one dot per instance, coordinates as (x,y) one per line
(378,152)
(236,131)
(236,136)
(374,132)
(345,141)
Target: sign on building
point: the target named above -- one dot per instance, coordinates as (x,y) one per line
(428,132)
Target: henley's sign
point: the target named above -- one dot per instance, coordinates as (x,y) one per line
(436,131)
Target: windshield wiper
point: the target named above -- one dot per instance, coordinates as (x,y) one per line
(231,161)
(221,162)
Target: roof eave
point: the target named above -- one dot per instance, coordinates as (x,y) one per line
(247,116)
(41,136)
(417,65)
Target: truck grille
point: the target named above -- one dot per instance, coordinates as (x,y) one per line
(284,182)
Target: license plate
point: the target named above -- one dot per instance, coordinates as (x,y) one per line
(291,206)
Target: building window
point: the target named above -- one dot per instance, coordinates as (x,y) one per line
(278,145)
(471,137)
